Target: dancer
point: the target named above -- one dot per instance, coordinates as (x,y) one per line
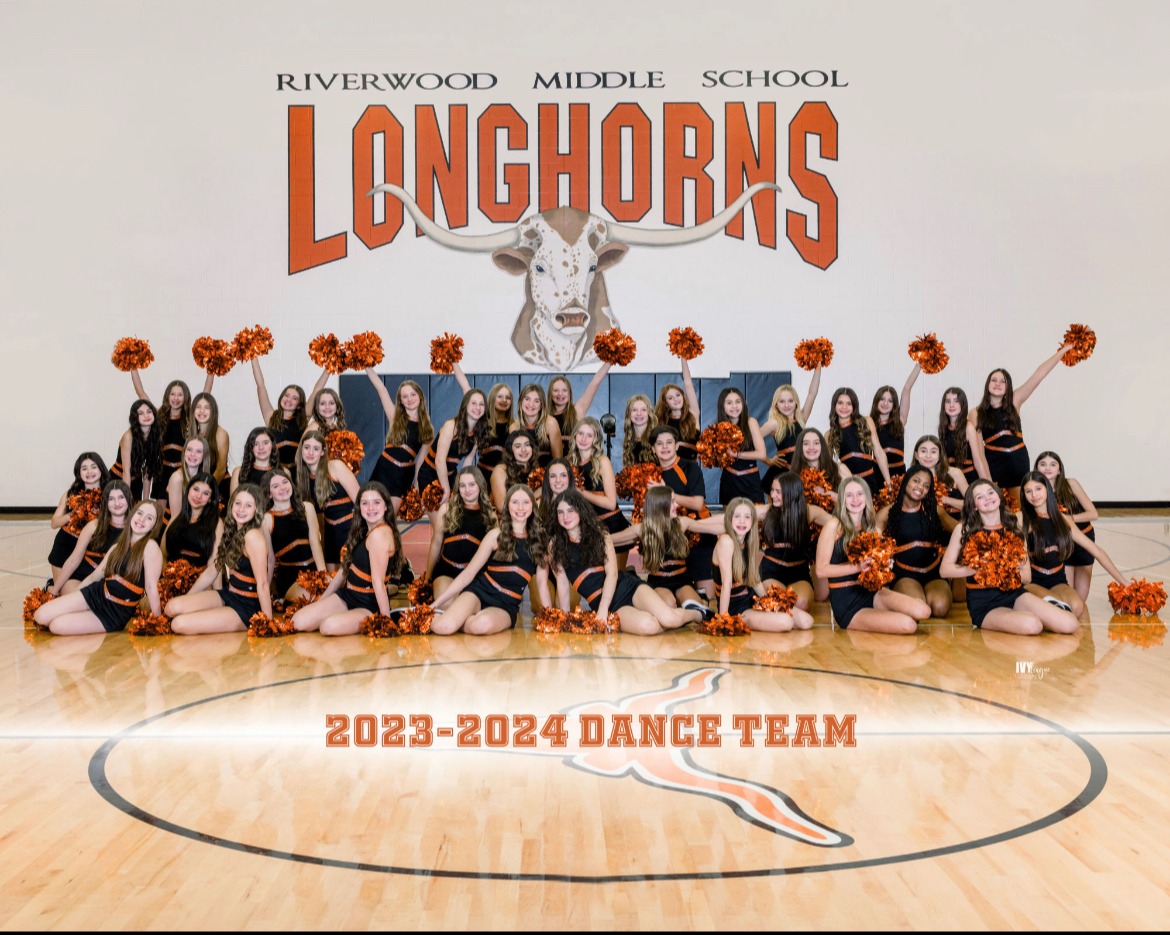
(89,473)
(742,477)
(598,485)
(533,417)
(461,524)
(961,443)
(1073,500)
(331,487)
(786,420)
(787,546)
(561,405)
(195,460)
(259,458)
(95,539)
(294,533)
(637,424)
(194,531)
(921,529)
(411,433)
(812,453)
(288,422)
(139,460)
(678,407)
(519,460)
(853,441)
(889,416)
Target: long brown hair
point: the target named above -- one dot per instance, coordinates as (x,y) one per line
(1037,537)
(661,536)
(942,470)
(593,464)
(315,488)
(397,433)
(540,430)
(104,522)
(300,418)
(360,529)
(894,426)
(787,523)
(534,534)
(126,557)
(825,462)
(985,412)
(957,436)
(971,520)
(1061,487)
(212,430)
(231,543)
(164,412)
(857,419)
(592,542)
(688,423)
(841,511)
(633,446)
(455,508)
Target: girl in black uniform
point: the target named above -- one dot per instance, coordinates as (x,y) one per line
(194,532)
(205,424)
(662,543)
(294,533)
(558,477)
(95,539)
(883,611)
(599,489)
(678,407)
(786,420)
(853,441)
(485,596)
(533,417)
(139,460)
(919,526)
(961,443)
(1080,509)
(460,526)
(499,419)
(1052,537)
(110,595)
(173,417)
(889,416)
(195,459)
(736,569)
(259,458)
(362,586)
(581,556)
(561,405)
(458,438)
(89,473)
(327,413)
(1009,611)
(519,460)
(997,420)
(929,452)
(638,422)
(243,560)
(812,453)
(411,433)
(742,478)
(330,486)
(786,541)
(288,422)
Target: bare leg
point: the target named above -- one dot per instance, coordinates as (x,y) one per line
(455,614)
(217,620)
(311,616)
(668,618)
(1082,578)
(487,621)
(345,623)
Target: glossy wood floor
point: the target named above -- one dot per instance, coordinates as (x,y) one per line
(185,782)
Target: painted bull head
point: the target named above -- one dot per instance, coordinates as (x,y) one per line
(562,254)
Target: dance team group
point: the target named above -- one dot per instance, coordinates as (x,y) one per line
(522,496)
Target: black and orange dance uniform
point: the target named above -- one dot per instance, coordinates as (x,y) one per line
(589,581)
(860,462)
(686,479)
(460,546)
(1047,565)
(1081,556)
(358,591)
(968,464)
(846,594)
(688,449)
(65,541)
(114,600)
(336,514)
(613,520)
(459,449)
(741,479)
(291,548)
(173,442)
(501,583)
(1007,455)
(894,449)
(785,562)
(286,440)
(492,453)
(395,467)
(672,575)
(741,595)
(183,543)
(239,590)
(916,556)
(785,449)
(94,553)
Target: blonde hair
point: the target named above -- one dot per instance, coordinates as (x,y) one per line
(569,417)
(841,511)
(629,440)
(746,570)
(540,429)
(595,454)
(783,423)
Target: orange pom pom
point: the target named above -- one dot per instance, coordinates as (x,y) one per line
(415,621)
(148,624)
(327,352)
(941,489)
(364,350)
(251,343)
(343,445)
(177,579)
(314,582)
(813,353)
(213,355)
(536,479)
(1083,340)
(725,625)
(879,550)
(1144,635)
(929,352)
(83,507)
(995,556)
(131,354)
(631,483)
(888,495)
(585,621)
(718,444)
(685,343)
(780,599)
(420,592)
(432,496)
(446,352)
(817,490)
(261,625)
(380,626)
(550,620)
(579,478)
(1139,597)
(410,509)
(32,603)
(614,346)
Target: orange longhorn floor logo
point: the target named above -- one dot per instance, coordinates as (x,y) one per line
(671,767)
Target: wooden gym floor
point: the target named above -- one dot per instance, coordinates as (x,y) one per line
(996,782)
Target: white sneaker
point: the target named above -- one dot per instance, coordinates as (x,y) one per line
(704,611)
(1056,602)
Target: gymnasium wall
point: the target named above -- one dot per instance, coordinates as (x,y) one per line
(990,172)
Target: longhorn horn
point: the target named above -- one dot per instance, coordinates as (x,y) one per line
(640,237)
(472,243)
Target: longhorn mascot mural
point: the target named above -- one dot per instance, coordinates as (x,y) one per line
(562,254)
